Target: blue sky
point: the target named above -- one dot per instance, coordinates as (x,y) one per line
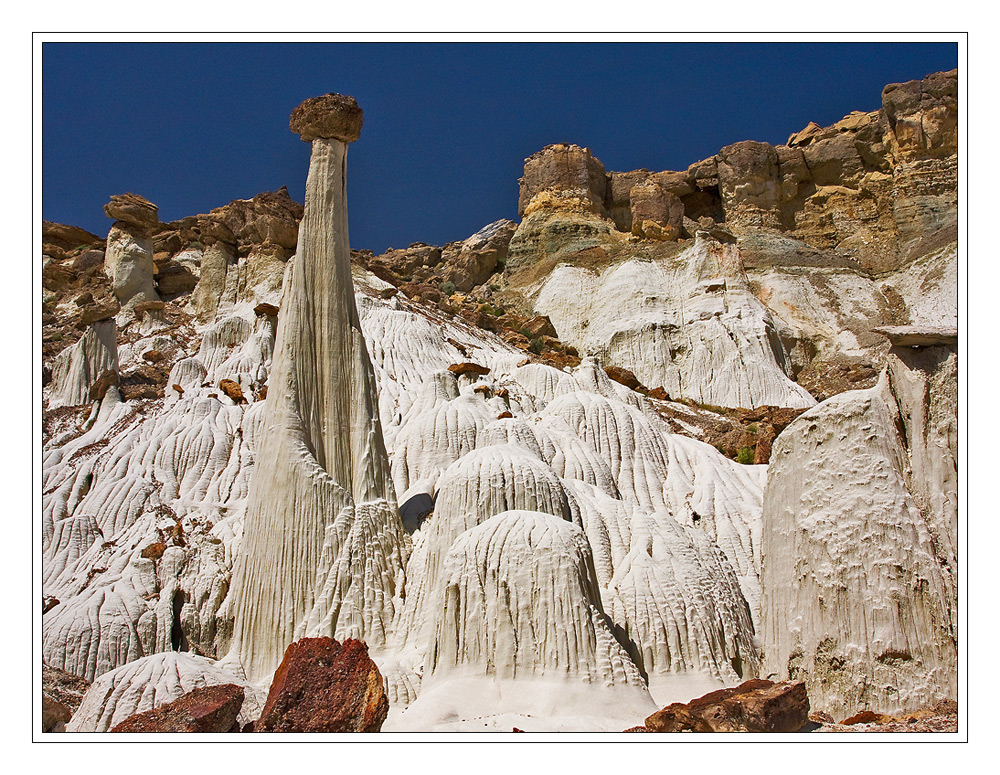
(447,126)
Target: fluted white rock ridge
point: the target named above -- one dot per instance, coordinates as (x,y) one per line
(521,600)
(78,366)
(858,577)
(322,544)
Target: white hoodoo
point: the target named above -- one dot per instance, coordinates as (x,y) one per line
(323,544)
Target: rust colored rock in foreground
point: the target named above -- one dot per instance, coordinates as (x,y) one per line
(208,709)
(753,706)
(458,369)
(325,686)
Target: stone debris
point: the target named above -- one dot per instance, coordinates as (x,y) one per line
(753,706)
(207,709)
(325,686)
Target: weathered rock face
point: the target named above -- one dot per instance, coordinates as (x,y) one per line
(268,220)
(325,686)
(753,706)
(208,709)
(748,182)
(66,237)
(563,167)
(688,324)
(511,564)
(215,264)
(136,213)
(844,227)
(322,543)
(656,213)
(859,566)
(922,117)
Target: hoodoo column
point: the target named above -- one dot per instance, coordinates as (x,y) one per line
(322,543)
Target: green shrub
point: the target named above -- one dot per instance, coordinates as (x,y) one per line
(447,287)
(536,345)
(745,456)
(752,427)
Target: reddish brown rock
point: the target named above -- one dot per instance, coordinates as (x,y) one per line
(134,211)
(458,369)
(153,356)
(330,116)
(56,277)
(324,686)
(208,709)
(54,714)
(102,384)
(539,326)
(623,376)
(67,237)
(266,310)
(233,390)
(504,415)
(48,603)
(753,706)
(867,717)
(96,313)
(153,551)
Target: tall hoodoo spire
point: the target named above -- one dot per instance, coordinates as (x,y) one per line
(323,544)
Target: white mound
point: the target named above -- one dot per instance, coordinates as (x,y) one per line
(150,682)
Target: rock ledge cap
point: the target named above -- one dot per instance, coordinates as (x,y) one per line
(918,336)
(330,116)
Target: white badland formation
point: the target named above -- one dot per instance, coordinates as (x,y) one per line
(530,546)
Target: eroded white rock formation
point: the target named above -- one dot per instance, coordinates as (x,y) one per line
(323,547)
(689,324)
(81,364)
(859,565)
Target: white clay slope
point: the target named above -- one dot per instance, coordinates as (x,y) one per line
(689,324)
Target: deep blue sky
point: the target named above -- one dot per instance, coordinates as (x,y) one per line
(447,126)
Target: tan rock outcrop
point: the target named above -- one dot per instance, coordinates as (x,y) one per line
(656,213)
(562,167)
(136,212)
